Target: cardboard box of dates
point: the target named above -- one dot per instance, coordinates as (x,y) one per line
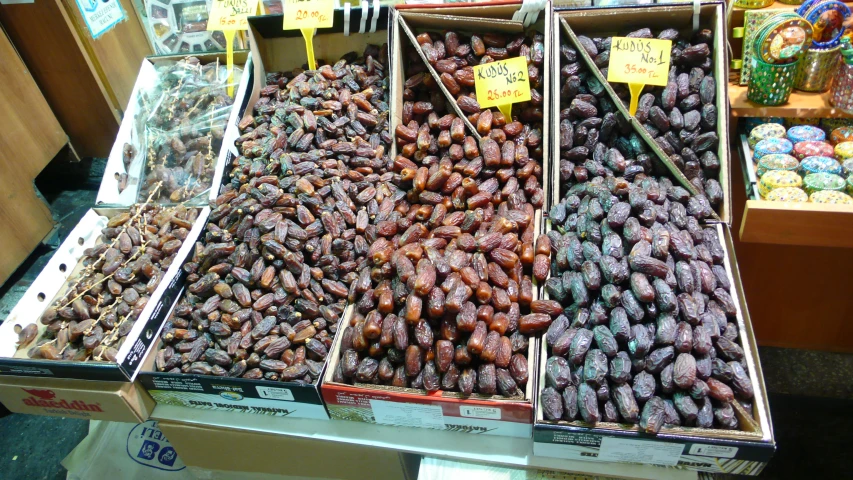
(267,286)
(654,360)
(176,129)
(74,343)
(443,333)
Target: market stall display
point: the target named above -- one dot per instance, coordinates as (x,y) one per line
(388,241)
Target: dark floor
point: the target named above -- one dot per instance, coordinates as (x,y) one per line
(812,432)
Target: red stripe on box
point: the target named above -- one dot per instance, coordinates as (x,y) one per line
(349,396)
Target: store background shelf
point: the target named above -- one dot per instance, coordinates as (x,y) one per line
(799,105)
(488,449)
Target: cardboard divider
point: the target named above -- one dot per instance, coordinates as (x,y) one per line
(620,20)
(132,130)
(51,285)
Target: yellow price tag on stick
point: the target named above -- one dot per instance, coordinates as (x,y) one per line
(306,15)
(639,62)
(229,16)
(502,83)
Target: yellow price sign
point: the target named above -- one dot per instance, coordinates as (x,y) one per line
(299,14)
(502,83)
(639,62)
(231,14)
(306,15)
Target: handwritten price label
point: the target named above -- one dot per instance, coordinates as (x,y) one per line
(300,14)
(639,60)
(502,83)
(231,14)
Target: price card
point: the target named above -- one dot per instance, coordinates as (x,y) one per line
(306,15)
(639,62)
(500,84)
(229,16)
(299,14)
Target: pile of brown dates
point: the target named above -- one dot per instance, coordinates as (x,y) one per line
(648,332)
(451,302)
(92,319)
(287,240)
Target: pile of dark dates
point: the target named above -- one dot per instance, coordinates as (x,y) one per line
(98,310)
(451,302)
(682,116)
(648,332)
(287,240)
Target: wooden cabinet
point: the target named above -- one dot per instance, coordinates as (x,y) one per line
(86,82)
(29,138)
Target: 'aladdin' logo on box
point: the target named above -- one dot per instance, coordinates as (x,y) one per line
(47,399)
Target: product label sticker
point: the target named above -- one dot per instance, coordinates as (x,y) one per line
(488,413)
(101,15)
(308,14)
(639,60)
(719,451)
(274,393)
(407,414)
(231,14)
(146,445)
(639,451)
(501,83)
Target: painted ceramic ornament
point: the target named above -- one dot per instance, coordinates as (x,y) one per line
(841,134)
(764,131)
(820,165)
(783,38)
(831,196)
(772,145)
(827,19)
(815,182)
(787,194)
(844,151)
(806,133)
(811,148)
(777,161)
(778,179)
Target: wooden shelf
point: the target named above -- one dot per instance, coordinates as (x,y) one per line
(800,105)
(793,223)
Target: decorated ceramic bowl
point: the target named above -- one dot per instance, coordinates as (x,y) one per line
(776,161)
(778,179)
(831,196)
(815,182)
(844,151)
(841,134)
(769,146)
(820,165)
(787,194)
(767,130)
(811,148)
(805,133)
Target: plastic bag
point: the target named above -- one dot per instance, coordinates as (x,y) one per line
(180,124)
(125,450)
